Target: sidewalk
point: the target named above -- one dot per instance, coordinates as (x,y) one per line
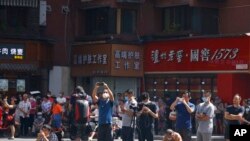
(214,137)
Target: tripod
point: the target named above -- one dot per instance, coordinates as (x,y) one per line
(134,126)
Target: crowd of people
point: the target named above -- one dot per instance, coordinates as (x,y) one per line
(99,115)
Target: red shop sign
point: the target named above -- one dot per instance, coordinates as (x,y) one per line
(200,54)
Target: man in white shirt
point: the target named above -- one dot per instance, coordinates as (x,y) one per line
(46,108)
(204,115)
(24,108)
(127,111)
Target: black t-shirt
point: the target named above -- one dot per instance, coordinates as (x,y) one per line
(145,119)
(235,111)
(247,113)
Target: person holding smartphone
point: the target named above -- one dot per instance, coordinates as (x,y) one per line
(105,102)
(184,110)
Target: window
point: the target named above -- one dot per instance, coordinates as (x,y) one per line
(100,21)
(205,20)
(13,18)
(185,18)
(176,19)
(4,85)
(20,85)
(128,21)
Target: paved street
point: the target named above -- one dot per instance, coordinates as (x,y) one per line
(32,139)
(156,138)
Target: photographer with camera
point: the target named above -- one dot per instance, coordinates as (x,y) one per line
(128,110)
(184,110)
(146,115)
(105,103)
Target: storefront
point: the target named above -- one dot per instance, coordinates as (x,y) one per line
(120,66)
(24,66)
(216,64)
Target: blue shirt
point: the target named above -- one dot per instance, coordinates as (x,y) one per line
(105,111)
(183,117)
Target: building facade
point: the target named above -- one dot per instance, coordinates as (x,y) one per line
(205,27)
(66,43)
(25,54)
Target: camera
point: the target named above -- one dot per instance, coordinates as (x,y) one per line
(133,106)
(137,107)
(100,83)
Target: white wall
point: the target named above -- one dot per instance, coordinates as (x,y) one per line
(59,80)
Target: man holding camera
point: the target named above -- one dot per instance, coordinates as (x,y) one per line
(183,109)
(105,103)
(128,110)
(147,113)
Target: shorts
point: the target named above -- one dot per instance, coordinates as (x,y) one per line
(56,121)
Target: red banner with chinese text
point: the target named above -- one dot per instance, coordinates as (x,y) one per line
(199,54)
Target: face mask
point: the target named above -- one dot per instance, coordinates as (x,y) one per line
(39,117)
(126,98)
(204,99)
(105,95)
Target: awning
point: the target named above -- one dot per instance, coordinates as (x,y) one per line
(19,3)
(18,67)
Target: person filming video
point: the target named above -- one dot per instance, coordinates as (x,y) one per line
(128,112)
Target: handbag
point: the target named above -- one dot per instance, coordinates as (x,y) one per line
(172,115)
(9,118)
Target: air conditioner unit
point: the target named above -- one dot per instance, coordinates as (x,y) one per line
(65,9)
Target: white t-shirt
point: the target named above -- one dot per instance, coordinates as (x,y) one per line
(24,106)
(61,100)
(126,119)
(96,114)
(207,109)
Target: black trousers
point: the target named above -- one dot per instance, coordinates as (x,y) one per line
(105,132)
(24,126)
(127,133)
(145,133)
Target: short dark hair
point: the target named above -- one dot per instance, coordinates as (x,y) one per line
(144,95)
(79,89)
(187,93)
(129,91)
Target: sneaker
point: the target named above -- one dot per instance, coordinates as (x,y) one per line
(11,138)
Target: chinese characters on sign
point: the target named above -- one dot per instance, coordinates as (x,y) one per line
(90,59)
(11,51)
(194,55)
(127,60)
